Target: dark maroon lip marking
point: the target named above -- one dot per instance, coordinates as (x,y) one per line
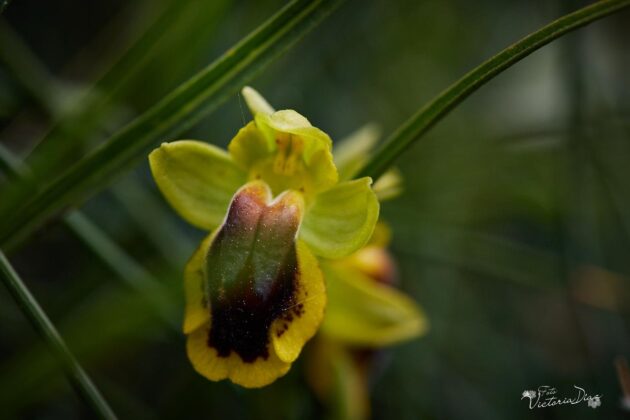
(241,318)
(252,273)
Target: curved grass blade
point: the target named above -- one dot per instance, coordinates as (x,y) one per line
(175,113)
(441,105)
(36,316)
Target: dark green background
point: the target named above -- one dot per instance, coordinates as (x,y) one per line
(513,229)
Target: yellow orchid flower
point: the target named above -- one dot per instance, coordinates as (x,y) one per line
(274,206)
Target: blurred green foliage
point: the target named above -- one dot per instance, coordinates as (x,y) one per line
(513,232)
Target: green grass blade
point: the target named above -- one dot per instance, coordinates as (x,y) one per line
(442,104)
(167,119)
(31,309)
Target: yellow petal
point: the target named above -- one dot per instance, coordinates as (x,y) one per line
(250,146)
(382,235)
(315,146)
(250,375)
(255,101)
(375,262)
(197,312)
(285,151)
(197,179)
(299,323)
(341,220)
(366,313)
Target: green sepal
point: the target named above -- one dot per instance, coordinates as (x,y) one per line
(255,102)
(287,152)
(389,185)
(197,179)
(363,312)
(341,219)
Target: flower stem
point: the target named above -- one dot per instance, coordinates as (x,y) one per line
(420,123)
(37,317)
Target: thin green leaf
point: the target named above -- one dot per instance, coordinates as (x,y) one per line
(37,317)
(167,119)
(441,105)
